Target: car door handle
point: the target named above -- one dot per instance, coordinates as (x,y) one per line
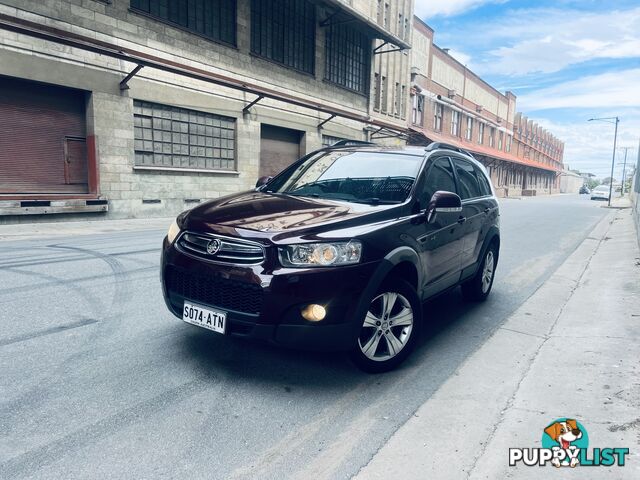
(487,210)
(461,220)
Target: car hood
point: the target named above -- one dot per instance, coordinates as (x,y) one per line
(279,217)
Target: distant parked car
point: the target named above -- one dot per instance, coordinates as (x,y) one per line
(601,192)
(584,190)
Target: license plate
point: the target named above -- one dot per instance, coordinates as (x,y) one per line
(204,317)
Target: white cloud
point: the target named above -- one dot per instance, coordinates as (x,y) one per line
(433,8)
(548,40)
(605,90)
(589,145)
(462,57)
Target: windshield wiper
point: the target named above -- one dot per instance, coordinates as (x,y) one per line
(375,201)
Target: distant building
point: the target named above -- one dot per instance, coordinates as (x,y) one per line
(452,104)
(570,181)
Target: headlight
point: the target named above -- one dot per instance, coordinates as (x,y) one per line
(320,254)
(175,227)
(173,232)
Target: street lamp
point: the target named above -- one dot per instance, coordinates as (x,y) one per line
(615,120)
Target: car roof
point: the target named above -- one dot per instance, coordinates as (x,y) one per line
(403,150)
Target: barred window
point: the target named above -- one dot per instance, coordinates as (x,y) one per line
(376,91)
(328,140)
(348,57)
(455,123)
(179,138)
(285,31)
(437,117)
(396,100)
(215,19)
(383,94)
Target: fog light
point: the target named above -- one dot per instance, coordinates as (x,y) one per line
(314,312)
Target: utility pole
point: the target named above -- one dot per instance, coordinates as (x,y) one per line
(614,120)
(624,168)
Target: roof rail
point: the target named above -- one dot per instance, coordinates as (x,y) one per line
(350,143)
(447,146)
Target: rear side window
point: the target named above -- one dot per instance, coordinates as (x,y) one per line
(485,186)
(468,182)
(439,177)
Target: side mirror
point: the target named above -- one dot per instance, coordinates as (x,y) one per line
(263,181)
(443,202)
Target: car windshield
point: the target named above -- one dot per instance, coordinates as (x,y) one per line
(362,177)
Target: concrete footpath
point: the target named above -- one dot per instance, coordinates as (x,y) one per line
(571,350)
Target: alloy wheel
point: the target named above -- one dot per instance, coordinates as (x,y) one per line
(487,271)
(387,326)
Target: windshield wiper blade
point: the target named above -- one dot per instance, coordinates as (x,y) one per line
(376,201)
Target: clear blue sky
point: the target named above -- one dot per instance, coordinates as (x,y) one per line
(566,61)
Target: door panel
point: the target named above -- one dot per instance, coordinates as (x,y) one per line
(440,241)
(471,192)
(75,164)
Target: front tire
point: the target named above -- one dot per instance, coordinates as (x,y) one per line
(390,328)
(478,288)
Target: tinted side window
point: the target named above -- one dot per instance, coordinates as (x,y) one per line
(469,186)
(485,186)
(439,177)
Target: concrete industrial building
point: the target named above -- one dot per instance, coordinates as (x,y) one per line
(452,104)
(147,107)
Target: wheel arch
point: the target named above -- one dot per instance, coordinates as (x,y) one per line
(401,261)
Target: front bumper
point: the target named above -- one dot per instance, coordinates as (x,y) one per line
(264,304)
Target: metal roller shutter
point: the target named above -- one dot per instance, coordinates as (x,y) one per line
(279,148)
(42,139)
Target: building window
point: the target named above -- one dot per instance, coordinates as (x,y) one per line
(383,94)
(379,13)
(480,133)
(509,139)
(376,91)
(328,140)
(396,100)
(386,16)
(348,56)
(179,138)
(403,102)
(407,29)
(468,134)
(285,31)
(455,123)
(437,117)
(417,110)
(500,140)
(400,24)
(214,19)
(492,137)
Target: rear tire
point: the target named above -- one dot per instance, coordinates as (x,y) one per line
(390,329)
(478,288)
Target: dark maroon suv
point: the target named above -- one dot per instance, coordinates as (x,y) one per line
(338,251)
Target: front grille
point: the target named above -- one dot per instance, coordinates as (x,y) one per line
(227,250)
(215,292)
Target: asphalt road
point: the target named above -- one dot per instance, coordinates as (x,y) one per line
(99,380)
